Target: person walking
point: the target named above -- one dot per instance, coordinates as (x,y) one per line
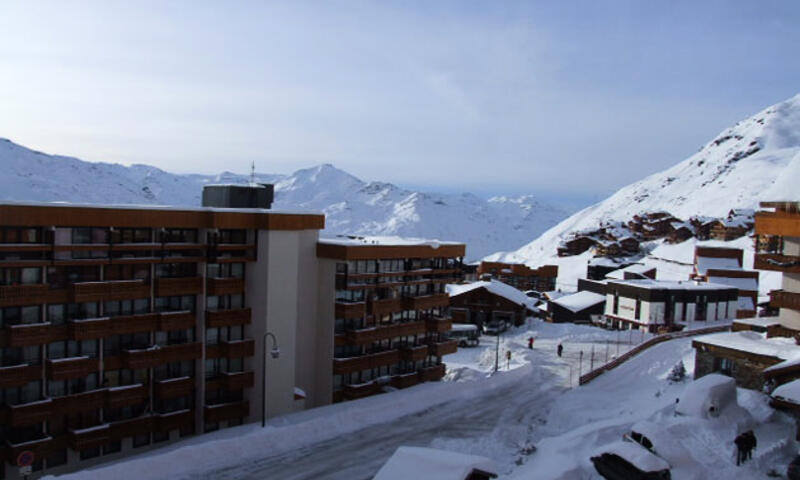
(751,443)
(560,349)
(530,343)
(741,446)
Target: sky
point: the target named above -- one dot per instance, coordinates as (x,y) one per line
(566,100)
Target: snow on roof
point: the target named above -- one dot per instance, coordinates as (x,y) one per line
(637,455)
(754,342)
(352,240)
(180,208)
(579,301)
(639,268)
(651,284)
(706,263)
(429,463)
(463,327)
(496,287)
(746,303)
(789,392)
(750,284)
(759,321)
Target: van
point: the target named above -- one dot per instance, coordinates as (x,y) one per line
(466,334)
(495,327)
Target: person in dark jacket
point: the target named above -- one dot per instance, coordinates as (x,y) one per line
(751,443)
(530,343)
(741,445)
(560,349)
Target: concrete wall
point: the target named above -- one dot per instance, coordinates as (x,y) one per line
(746,373)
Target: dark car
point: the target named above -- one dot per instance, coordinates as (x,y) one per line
(630,461)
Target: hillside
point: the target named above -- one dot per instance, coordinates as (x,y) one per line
(737,169)
(351,205)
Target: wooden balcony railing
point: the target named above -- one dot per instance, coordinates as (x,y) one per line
(439,324)
(80,402)
(26,335)
(128,428)
(232,381)
(118,397)
(426,302)
(777,263)
(174,387)
(784,299)
(168,321)
(89,328)
(352,392)
(385,306)
(228,318)
(414,354)
(74,367)
(369,335)
(109,290)
(19,375)
(238,348)
(166,422)
(348,310)
(142,322)
(29,413)
(364,362)
(444,348)
(87,438)
(226,411)
(405,380)
(11,295)
(432,374)
(40,447)
(154,356)
(225,286)
(170,287)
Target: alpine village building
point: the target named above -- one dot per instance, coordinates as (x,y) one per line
(520,276)
(126,327)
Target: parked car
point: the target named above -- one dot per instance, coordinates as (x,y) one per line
(495,327)
(630,461)
(467,334)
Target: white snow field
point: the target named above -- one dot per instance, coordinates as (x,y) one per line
(525,418)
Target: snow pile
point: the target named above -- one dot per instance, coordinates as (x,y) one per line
(351,205)
(429,463)
(637,455)
(707,397)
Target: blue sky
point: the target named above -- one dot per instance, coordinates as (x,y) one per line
(568,101)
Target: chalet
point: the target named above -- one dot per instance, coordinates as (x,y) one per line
(652,225)
(597,268)
(702,226)
(681,231)
(723,266)
(632,272)
(581,307)
(654,305)
(520,276)
(738,223)
(576,245)
(483,302)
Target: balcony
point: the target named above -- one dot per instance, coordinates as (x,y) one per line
(26,335)
(80,402)
(167,422)
(427,302)
(89,328)
(784,223)
(40,448)
(432,374)
(170,287)
(29,413)
(226,411)
(364,362)
(225,286)
(87,438)
(144,322)
(784,299)
(374,334)
(74,367)
(238,380)
(182,352)
(238,348)
(118,397)
(174,387)
(385,307)
(168,321)
(405,380)
(352,392)
(228,318)
(414,354)
(156,355)
(777,263)
(32,294)
(110,290)
(19,375)
(128,428)
(439,324)
(444,348)
(349,310)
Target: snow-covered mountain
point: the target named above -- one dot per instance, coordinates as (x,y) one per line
(737,169)
(351,205)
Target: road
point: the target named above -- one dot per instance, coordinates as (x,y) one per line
(499,421)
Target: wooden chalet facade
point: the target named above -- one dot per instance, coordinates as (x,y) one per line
(520,276)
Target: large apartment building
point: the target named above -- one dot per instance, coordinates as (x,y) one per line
(520,276)
(391,312)
(122,328)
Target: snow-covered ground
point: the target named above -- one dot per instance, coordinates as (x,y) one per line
(525,418)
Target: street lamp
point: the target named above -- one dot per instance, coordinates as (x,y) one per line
(275,352)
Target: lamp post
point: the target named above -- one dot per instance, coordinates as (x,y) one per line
(275,352)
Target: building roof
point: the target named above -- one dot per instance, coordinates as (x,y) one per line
(746,303)
(496,287)
(636,268)
(384,241)
(750,284)
(788,392)
(424,463)
(650,284)
(717,263)
(754,342)
(365,248)
(759,321)
(579,301)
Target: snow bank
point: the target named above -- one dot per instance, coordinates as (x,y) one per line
(429,463)
(707,396)
(637,455)
(789,392)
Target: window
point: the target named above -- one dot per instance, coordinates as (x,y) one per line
(637,314)
(131,235)
(724,366)
(616,303)
(176,270)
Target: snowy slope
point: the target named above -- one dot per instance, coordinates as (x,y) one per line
(351,205)
(734,170)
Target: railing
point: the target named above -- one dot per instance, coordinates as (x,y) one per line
(405,380)
(784,299)
(778,263)
(226,411)
(588,377)
(426,302)
(135,426)
(444,348)
(75,367)
(22,294)
(225,286)
(182,320)
(89,328)
(109,290)
(385,306)
(126,324)
(369,335)
(414,354)
(118,397)
(25,335)
(166,422)
(87,438)
(432,374)
(348,310)
(238,348)
(352,392)
(174,387)
(439,324)
(168,287)
(364,362)
(19,375)
(29,413)
(228,318)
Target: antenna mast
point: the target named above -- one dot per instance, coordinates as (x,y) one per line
(253,173)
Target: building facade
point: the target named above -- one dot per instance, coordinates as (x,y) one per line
(122,328)
(521,276)
(391,313)
(484,303)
